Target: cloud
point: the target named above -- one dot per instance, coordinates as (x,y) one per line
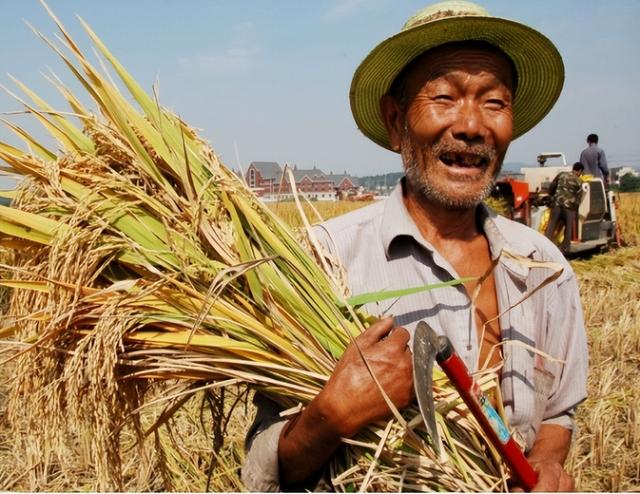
(239,56)
(344,8)
(235,59)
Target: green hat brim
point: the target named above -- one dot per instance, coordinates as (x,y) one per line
(538,64)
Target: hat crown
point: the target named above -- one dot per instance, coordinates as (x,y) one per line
(441,10)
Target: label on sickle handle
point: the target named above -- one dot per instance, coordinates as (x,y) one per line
(492,415)
(494,419)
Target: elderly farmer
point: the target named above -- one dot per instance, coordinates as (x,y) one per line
(449,93)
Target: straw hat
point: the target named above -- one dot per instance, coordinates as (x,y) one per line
(539,67)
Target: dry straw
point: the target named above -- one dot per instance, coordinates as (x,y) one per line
(143,269)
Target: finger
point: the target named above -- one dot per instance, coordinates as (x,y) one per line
(376,331)
(547,482)
(567,483)
(399,336)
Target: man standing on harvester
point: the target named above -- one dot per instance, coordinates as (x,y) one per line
(448,94)
(594,159)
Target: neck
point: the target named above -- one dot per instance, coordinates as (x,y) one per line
(439,224)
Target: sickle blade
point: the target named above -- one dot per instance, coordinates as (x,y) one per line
(424,353)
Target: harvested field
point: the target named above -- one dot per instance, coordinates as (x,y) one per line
(629,214)
(604,458)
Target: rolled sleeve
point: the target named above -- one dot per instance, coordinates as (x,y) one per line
(260,471)
(565,420)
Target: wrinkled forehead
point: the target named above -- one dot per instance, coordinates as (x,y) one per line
(473,57)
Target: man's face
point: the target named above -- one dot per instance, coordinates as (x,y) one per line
(457,125)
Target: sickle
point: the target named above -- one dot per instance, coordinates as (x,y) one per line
(425,346)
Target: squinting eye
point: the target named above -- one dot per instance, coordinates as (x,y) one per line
(495,104)
(442,97)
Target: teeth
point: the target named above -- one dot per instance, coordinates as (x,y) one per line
(473,160)
(463,159)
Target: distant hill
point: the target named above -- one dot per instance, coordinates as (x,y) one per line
(383,183)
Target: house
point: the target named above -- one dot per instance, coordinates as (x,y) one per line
(344,181)
(311,183)
(268,180)
(264,177)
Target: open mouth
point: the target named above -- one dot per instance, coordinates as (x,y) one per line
(466,160)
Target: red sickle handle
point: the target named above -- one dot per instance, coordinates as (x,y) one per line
(485,414)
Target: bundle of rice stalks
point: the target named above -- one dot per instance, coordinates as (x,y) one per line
(143,265)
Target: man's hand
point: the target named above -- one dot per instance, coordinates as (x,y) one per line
(552,477)
(349,401)
(351,397)
(547,457)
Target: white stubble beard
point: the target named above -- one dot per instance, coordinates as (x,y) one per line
(418,176)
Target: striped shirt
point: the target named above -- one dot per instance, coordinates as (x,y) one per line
(382,249)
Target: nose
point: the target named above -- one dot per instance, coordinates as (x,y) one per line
(469,126)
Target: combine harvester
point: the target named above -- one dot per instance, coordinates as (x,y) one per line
(528,202)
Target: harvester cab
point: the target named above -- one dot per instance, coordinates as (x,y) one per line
(526,199)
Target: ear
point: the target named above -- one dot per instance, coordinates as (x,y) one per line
(393,119)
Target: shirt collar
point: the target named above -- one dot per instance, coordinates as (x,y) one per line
(396,222)
(502,236)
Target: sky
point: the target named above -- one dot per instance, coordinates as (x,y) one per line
(268,80)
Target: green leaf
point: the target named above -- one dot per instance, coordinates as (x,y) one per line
(65,131)
(38,148)
(31,222)
(367,298)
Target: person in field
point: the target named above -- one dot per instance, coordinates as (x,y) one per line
(594,159)
(448,94)
(566,193)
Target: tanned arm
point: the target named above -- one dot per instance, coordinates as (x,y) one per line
(547,458)
(349,401)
